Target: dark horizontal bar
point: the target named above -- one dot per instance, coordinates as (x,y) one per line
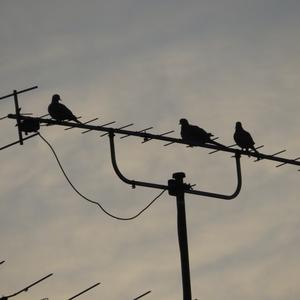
(17,142)
(159,137)
(19,92)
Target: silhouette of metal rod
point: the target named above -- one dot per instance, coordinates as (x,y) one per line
(220,150)
(106,124)
(273,155)
(182,234)
(18,109)
(2,262)
(17,142)
(143,130)
(19,92)
(133,183)
(120,128)
(139,297)
(146,139)
(90,121)
(91,287)
(161,138)
(188,189)
(28,287)
(280,165)
(168,144)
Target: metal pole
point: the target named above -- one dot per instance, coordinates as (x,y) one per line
(18,116)
(182,236)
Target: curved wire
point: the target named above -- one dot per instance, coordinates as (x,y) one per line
(92,201)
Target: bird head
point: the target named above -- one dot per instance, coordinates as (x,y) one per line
(56,98)
(183,122)
(238,125)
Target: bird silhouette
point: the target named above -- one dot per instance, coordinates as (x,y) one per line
(244,139)
(195,135)
(59,111)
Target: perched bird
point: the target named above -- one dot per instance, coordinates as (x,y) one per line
(195,135)
(243,138)
(29,125)
(59,111)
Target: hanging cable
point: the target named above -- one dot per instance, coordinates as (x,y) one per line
(92,201)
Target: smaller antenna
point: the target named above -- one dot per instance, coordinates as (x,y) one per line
(18,109)
(26,288)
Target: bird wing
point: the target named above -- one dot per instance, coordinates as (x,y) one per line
(66,112)
(243,138)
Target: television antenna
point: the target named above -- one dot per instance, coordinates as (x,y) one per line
(176,185)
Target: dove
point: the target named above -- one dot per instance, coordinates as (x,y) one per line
(59,111)
(243,138)
(195,135)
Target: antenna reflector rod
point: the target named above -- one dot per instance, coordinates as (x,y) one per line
(109,123)
(106,133)
(143,130)
(280,165)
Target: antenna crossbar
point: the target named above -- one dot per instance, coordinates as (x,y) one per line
(150,136)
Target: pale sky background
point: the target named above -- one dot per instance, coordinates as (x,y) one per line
(151,62)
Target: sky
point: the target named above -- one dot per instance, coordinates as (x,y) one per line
(213,62)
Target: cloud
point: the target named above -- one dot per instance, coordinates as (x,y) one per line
(151,63)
